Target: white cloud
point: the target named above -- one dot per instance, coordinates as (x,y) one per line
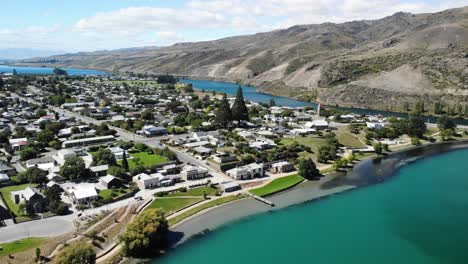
(208,19)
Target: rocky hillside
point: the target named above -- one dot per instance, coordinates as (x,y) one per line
(378,64)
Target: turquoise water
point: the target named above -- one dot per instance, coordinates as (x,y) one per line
(43,70)
(418,216)
(252,94)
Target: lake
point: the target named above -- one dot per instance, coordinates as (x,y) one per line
(418,215)
(44,70)
(251,94)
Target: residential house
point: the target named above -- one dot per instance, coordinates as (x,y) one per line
(282,167)
(118,153)
(18,143)
(193,172)
(7,169)
(110,182)
(262,144)
(246,172)
(32,196)
(230,186)
(44,163)
(319,124)
(224,158)
(83,194)
(150,131)
(100,170)
(4,178)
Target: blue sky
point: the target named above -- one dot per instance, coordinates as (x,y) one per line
(109,24)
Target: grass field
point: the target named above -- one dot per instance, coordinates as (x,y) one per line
(347,138)
(277,185)
(314,142)
(170,205)
(20,245)
(6,192)
(145,159)
(202,207)
(112,193)
(195,192)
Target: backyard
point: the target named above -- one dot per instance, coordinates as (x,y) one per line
(209,191)
(144,159)
(278,185)
(6,192)
(110,194)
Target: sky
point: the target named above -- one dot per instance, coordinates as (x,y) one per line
(89,25)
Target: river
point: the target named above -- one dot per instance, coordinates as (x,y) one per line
(417,216)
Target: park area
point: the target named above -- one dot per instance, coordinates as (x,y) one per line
(20,245)
(278,185)
(170,205)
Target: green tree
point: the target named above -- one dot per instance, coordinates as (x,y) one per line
(28,153)
(104,157)
(77,253)
(125,161)
(308,170)
(415,141)
(37,254)
(416,126)
(45,136)
(15,72)
(325,153)
(74,168)
(146,234)
(447,134)
(2,84)
(378,148)
(147,115)
(223,114)
(444,123)
(239,109)
(340,163)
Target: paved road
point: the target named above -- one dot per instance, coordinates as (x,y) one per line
(49,227)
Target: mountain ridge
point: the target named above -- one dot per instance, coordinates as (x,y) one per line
(367,63)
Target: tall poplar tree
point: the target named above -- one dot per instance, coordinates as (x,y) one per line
(239,109)
(223,114)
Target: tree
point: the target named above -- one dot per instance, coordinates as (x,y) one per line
(2,84)
(378,148)
(147,115)
(118,172)
(45,136)
(326,153)
(33,175)
(444,123)
(58,71)
(340,163)
(446,134)
(223,114)
(416,126)
(37,254)
(125,161)
(145,234)
(308,170)
(104,157)
(15,72)
(28,153)
(74,168)
(239,109)
(77,253)
(415,141)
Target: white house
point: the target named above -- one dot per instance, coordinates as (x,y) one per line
(282,167)
(65,154)
(118,153)
(376,125)
(193,172)
(83,194)
(318,124)
(145,181)
(246,172)
(18,143)
(262,143)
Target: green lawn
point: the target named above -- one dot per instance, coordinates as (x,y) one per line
(170,205)
(6,191)
(347,138)
(195,192)
(20,245)
(145,159)
(202,207)
(314,142)
(278,185)
(112,193)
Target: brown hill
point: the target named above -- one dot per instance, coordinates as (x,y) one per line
(377,64)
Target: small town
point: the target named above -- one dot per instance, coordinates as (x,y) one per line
(81,157)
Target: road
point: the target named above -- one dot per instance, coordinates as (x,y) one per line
(49,227)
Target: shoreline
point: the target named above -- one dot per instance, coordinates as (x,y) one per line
(215,218)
